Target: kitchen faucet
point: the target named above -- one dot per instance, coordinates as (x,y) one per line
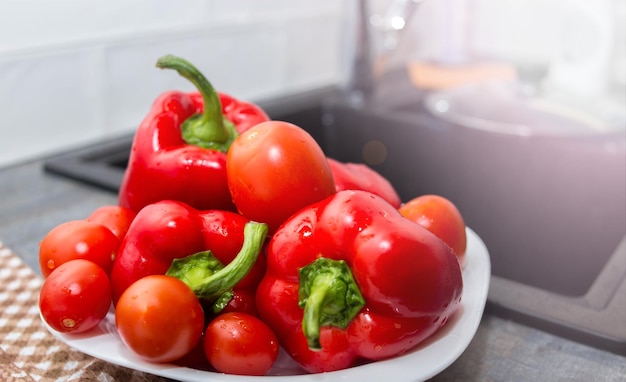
(372,41)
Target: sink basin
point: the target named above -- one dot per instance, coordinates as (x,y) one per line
(550,209)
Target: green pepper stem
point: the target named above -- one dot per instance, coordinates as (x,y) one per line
(313,311)
(329,295)
(209,284)
(209,129)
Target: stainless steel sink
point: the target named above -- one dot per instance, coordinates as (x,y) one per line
(550,210)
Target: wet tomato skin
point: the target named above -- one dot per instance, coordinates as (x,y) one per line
(159,318)
(115,218)
(75,297)
(440,216)
(77,239)
(239,343)
(275,169)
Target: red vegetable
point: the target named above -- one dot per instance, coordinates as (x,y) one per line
(275,169)
(159,318)
(350,278)
(179,150)
(211,251)
(441,217)
(238,343)
(75,297)
(358,176)
(77,239)
(115,218)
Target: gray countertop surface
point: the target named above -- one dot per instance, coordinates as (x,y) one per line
(33,202)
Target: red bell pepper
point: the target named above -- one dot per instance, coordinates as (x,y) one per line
(179,150)
(358,176)
(215,252)
(349,279)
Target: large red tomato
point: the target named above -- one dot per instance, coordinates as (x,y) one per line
(159,318)
(274,170)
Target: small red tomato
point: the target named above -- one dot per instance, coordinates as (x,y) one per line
(115,218)
(238,343)
(75,297)
(274,170)
(441,217)
(159,318)
(77,239)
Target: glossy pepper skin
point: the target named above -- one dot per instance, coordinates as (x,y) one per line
(358,176)
(179,149)
(409,281)
(168,231)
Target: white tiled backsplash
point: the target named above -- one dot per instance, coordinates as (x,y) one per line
(74,71)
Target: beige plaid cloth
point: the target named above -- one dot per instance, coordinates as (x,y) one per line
(28,352)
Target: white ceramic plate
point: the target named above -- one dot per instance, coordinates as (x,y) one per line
(424,362)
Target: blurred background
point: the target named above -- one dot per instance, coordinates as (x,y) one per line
(74,72)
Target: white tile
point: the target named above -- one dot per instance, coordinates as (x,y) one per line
(47,102)
(254,9)
(40,23)
(75,72)
(244,62)
(313,51)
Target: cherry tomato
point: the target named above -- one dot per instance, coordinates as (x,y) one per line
(238,343)
(275,169)
(115,218)
(441,217)
(75,297)
(159,318)
(77,239)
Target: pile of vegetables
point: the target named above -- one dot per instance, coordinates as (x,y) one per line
(235,235)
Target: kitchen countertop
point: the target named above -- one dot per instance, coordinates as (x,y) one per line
(33,202)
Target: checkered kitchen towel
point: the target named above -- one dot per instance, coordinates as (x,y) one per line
(28,352)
